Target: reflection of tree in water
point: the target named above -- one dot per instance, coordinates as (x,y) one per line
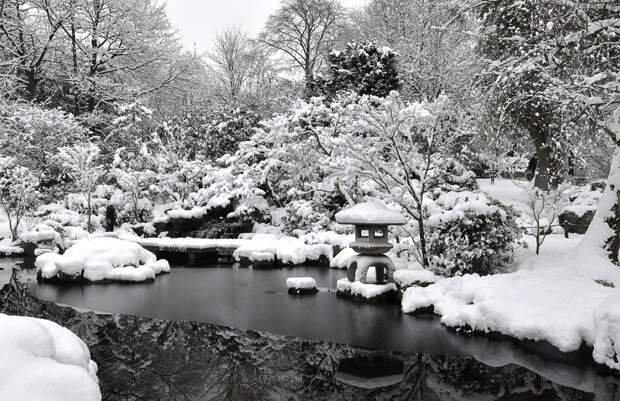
(238,381)
(149,359)
(446,378)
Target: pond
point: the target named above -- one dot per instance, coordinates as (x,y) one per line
(257,300)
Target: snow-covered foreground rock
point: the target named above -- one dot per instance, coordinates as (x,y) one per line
(40,360)
(97,259)
(567,295)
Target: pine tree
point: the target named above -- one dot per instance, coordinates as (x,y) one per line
(361,68)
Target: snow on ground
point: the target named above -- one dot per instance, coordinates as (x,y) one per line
(305,283)
(40,360)
(509,192)
(567,295)
(102,259)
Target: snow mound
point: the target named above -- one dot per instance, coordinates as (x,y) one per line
(367,291)
(40,360)
(328,237)
(583,201)
(288,250)
(42,232)
(408,277)
(102,258)
(8,247)
(563,299)
(342,260)
(300,283)
(371,212)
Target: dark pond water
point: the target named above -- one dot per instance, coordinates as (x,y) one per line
(257,300)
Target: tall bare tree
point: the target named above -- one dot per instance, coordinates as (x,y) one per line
(28,33)
(303,30)
(230,62)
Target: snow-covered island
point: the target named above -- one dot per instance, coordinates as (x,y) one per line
(101,259)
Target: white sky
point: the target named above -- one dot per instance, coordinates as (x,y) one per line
(199,20)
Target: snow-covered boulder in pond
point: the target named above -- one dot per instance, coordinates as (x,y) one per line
(301,285)
(40,360)
(100,259)
(363,292)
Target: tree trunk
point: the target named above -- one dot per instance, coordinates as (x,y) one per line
(604,231)
(543,165)
(32,84)
(422,238)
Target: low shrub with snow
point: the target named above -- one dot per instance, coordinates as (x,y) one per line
(583,200)
(98,259)
(470,233)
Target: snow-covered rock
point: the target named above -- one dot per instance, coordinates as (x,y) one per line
(366,292)
(301,285)
(97,259)
(40,360)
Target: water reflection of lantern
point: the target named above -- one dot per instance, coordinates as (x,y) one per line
(371,220)
(370,370)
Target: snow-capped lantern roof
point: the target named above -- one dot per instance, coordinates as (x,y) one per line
(370,213)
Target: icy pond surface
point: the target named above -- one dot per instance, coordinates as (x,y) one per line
(258,300)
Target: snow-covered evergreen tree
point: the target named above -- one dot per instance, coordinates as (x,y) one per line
(362,68)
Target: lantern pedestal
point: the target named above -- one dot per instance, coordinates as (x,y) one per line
(384,268)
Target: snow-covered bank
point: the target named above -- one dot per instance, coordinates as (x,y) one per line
(260,248)
(9,247)
(40,360)
(565,296)
(97,259)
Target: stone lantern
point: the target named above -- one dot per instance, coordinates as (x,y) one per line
(371,220)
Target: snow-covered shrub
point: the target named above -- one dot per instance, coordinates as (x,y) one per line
(19,192)
(81,164)
(134,174)
(584,199)
(543,209)
(225,132)
(33,135)
(302,215)
(470,233)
